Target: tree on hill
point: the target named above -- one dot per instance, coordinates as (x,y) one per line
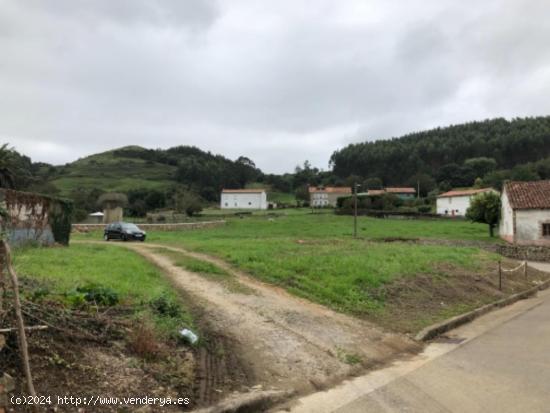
(481,166)
(16,170)
(456,154)
(112,200)
(7,174)
(485,208)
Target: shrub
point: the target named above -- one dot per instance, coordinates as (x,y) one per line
(165,306)
(93,293)
(424,209)
(143,342)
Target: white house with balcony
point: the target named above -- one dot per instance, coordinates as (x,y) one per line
(326,196)
(243,199)
(457,202)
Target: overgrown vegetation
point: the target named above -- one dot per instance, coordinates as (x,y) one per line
(84,275)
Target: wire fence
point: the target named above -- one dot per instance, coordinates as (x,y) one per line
(521,267)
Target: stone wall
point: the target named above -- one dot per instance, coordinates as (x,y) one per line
(525,252)
(182,226)
(30,217)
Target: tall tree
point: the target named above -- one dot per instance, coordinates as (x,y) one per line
(485,208)
(7,174)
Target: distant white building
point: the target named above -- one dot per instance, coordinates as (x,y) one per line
(243,199)
(455,203)
(525,214)
(324,196)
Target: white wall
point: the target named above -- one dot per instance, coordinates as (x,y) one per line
(243,200)
(458,204)
(318,199)
(506,225)
(529,226)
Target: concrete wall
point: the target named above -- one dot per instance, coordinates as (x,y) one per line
(458,204)
(182,226)
(318,199)
(506,225)
(112,215)
(243,200)
(529,226)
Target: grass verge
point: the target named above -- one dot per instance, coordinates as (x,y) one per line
(69,274)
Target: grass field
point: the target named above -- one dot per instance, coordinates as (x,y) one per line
(315,256)
(104,171)
(137,282)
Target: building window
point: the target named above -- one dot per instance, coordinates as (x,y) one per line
(546,230)
(226,204)
(250,203)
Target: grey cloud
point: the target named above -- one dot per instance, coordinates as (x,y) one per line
(195,13)
(277,81)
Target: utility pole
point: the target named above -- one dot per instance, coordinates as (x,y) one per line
(355,186)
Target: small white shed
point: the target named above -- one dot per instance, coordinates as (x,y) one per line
(457,202)
(525,214)
(243,199)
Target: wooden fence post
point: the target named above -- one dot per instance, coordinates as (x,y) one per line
(525,270)
(499,275)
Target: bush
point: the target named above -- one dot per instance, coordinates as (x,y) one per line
(165,306)
(93,293)
(424,209)
(143,342)
(187,202)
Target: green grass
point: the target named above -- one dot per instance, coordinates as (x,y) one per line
(281,197)
(112,173)
(136,281)
(206,269)
(315,256)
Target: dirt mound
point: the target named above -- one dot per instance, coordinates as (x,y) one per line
(92,353)
(412,303)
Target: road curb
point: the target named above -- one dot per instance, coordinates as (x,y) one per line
(437,329)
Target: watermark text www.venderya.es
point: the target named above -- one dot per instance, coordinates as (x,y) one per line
(99,401)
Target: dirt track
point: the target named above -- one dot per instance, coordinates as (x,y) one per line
(286,342)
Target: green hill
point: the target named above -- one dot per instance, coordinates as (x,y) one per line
(114,171)
(452,156)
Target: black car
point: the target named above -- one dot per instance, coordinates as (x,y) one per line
(123,231)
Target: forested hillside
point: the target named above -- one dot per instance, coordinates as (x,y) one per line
(478,153)
(493,150)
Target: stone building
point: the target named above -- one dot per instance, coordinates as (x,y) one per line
(525,214)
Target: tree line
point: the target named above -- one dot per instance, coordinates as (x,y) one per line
(456,156)
(473,154)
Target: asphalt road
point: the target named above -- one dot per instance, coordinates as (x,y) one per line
(498,363)
(507,369)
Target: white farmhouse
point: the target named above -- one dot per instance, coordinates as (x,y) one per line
(455,203)
(324,196)
(525,214)
(243,199)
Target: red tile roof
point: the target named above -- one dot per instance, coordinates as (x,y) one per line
(331,189)
(401,190)
(243,191)
(464,192)
(528,195)
(376,192)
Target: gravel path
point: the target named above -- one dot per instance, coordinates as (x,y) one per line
(287,342)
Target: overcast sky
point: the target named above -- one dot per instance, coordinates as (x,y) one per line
(277,81)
